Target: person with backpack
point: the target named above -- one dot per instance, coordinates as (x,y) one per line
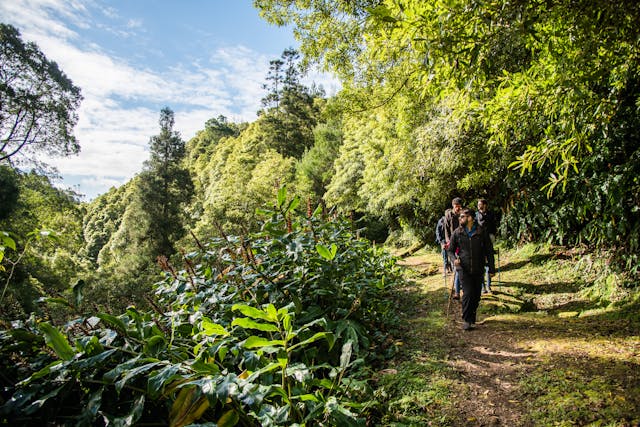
(487,220)
(472,249)
(450,224)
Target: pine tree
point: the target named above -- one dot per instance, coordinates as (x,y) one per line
(165,187)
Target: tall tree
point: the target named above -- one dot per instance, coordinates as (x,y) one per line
(273,85)
(293,111)
(165,187)
(38,101)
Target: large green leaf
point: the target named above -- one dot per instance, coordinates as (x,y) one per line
(188,407)
(133,373)
(154,345)
(7,241)
(282,196)
(57,341)
(259,342)
(90,410)
(293,204)
(228,419)
(39,403)
(113,321)
(247,323)
(210,328)
(158,380)
(255,313)
(130,418)
(328,253)
(320,335)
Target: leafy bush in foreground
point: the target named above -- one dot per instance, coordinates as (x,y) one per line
(276,328)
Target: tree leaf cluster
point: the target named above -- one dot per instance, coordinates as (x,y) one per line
(37,101)
(272,328)
(531,105)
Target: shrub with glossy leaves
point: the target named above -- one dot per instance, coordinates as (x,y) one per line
(276,328)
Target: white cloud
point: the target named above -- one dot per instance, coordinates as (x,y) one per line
(122,101)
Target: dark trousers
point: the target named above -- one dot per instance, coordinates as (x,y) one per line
(472,289)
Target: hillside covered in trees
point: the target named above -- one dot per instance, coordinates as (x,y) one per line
(531,105)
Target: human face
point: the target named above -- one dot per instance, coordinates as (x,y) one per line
(462,219)
(457,208)
(481,206)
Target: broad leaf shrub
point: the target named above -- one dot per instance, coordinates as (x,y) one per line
(280,327)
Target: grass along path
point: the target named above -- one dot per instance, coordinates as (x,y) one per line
(541,355)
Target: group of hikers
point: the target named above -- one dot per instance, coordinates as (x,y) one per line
(466,239)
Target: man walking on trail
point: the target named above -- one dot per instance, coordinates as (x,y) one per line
(450,225)
(487,220)
(471,246)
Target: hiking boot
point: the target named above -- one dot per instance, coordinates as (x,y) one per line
(456,296)
(466,326)
(484,291)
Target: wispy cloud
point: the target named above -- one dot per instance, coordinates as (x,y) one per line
(122,100)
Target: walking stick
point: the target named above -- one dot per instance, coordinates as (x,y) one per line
(444,269)
(451,291)
(499,281)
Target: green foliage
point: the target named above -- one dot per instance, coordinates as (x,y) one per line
(9,191)
(292,111)
(165,187)
(244,174)
(40,266)
(37,112)
(315,169)
(274,328)
(533,106)
(102,219)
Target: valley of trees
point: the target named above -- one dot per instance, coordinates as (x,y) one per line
(238,278)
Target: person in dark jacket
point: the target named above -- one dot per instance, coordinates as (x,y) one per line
(488,221)
(472,248)
(450,224)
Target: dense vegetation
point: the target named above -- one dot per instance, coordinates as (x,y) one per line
(281,326)
(531,105)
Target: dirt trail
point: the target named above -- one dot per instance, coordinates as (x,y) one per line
(507,346)
(490,364)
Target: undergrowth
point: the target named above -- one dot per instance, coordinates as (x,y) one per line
(281,327)
(566,307)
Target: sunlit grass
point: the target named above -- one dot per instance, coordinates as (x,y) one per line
(583,351)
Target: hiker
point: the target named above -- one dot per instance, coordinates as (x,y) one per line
(471,247)
(487,220)
(450,225)
(441,241)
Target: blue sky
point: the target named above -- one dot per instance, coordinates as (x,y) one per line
(131,58)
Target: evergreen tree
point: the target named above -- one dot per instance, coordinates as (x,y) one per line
(293,111)
(165,187)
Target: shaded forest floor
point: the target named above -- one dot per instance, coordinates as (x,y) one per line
(542,353)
